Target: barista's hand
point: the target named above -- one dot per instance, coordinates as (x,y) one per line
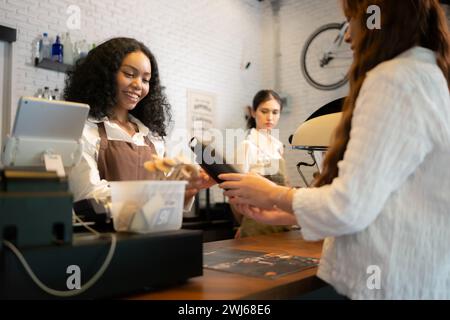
(196,183)
(205,181)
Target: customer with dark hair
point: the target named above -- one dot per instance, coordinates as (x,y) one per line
(128,117)
(262,153)
(382,200)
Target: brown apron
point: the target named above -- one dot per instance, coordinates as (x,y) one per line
(250,227)
(121,160)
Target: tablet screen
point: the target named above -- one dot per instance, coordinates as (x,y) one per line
(40,118)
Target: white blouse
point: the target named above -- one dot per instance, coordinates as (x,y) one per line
(84,179)
(260,153)
(387,214)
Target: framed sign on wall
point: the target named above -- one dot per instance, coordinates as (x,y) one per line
(201,114)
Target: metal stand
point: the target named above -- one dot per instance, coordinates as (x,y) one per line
(300,164)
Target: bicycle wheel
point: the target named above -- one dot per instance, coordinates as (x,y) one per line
(326,58)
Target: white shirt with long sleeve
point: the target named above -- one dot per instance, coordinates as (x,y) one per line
(386,216)
(84,179)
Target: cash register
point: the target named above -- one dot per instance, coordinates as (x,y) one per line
(40,255)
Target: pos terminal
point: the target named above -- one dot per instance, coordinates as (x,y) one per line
(40,255)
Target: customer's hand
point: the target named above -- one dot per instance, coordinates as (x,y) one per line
(250,188)
(272,217)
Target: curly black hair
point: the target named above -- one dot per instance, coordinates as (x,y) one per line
(93,81)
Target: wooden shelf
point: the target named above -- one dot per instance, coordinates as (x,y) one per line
(53,65)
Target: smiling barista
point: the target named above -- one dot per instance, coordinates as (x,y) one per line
(127,121)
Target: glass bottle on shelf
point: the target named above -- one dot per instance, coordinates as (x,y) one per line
(57,50)
(56,95)
(47,95)
(39,93)
(68,50)
(37,46)
(83,48)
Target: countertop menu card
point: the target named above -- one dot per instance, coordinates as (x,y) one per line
(256,264)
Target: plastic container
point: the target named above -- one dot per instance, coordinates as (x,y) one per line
(147,206)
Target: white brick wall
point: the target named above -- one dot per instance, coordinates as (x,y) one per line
(298,20)
(198,44)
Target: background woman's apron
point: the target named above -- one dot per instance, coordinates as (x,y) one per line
(250,227)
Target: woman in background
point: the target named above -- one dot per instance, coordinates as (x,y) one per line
(262,153)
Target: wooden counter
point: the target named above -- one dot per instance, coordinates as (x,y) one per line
(216,285)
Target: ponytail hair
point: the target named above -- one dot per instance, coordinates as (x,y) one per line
(251,122)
